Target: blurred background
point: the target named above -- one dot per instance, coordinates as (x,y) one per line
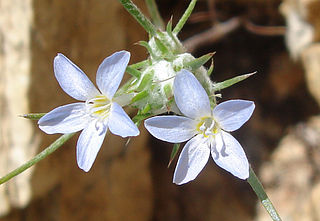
(276,38)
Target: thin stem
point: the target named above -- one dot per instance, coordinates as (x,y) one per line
(43,154)
(154,13)
(184,17)
(137,14)
(264,30)
(213,34)
(266,202)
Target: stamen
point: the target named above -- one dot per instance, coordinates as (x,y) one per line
(207,127)
(212,125)
(202,127)
(99,107)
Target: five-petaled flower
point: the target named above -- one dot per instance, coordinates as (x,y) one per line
(207,130)
(97,113)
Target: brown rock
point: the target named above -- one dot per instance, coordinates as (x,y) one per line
(17,141)
(311,63)
(291,175)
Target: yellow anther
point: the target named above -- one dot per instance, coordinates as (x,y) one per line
(99,106)
(207,127)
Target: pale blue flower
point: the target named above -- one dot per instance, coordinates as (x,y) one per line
(97,113)
(206,129)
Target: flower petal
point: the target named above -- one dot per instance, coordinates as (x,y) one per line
(65,119)
(193,158)
(88,145)
(190,97)
(231,156)
(120,123)
(174,129)
(72,80)
(110,72)
(232,114)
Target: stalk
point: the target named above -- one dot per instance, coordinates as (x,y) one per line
(43,154)
(262,195)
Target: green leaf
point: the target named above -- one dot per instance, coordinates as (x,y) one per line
(168,91)
(161,46)
(227,83)
(174,152)
(146,80)
(173,37)
(146,109)
(211,68)
(137,14)
(147,46)
(124,89)
(140,64)
(140,117)
(36,116)
(133,72)
(169,26)
(184,17)
(198,62)
(154,13)
(140,96)
(142,114)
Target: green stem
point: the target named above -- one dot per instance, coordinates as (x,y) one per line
(184,17)
(137,14)
(154,13)
(43,154)
(266,202)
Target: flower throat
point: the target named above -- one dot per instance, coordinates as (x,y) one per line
(99,106)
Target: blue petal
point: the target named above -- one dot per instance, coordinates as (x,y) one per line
(174,129)
(120,123)
(190,97)
(232,114)
(192,160)
(110,72)
(231,156)
(72,80)
(89,144)
(65,119)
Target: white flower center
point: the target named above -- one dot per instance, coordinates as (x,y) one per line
(208,127)
(99,107)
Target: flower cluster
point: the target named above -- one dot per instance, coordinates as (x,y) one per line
(170,80)
(205,127)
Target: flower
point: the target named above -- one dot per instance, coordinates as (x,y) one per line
(207,130)
(97,113)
